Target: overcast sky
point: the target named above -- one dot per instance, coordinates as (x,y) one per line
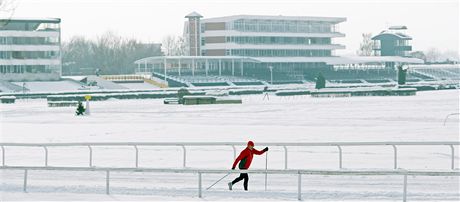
(431,23)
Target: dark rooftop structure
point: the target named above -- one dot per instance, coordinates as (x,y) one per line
(392,42)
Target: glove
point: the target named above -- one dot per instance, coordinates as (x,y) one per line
(265,149)
(233,168)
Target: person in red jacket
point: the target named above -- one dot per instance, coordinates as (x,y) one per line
(245,159)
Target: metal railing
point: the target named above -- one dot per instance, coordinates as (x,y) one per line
(184,146)
(299,173)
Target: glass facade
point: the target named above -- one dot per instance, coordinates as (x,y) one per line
(29,25)
(29,40)
(278,40)
(29,54)
(273,36)
(30,49)
(20,69)
(279,53)
(292,26)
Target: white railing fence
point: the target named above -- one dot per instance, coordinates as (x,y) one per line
(184,146)
(199,172)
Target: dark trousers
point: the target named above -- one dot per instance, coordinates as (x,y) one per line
(242,176)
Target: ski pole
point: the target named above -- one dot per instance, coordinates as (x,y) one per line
(218,181)
(266,167)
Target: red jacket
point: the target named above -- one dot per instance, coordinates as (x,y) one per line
(246,158)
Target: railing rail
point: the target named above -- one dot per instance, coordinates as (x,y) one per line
(184,146)
(107,170)
(230,143)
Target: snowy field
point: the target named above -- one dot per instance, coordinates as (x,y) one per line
(139,86)
(41,86)
(281,119)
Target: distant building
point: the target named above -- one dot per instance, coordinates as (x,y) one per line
(263,36)
(265,49)
(392,42)
(278,42)
(270,36)
(30,49)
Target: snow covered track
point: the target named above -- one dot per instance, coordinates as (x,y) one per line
(184,146)
(299,174)
(387,121)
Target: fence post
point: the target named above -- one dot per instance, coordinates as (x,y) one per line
(185,156)
(137,156)
(90,156)
(395,157)
(25,181)
(340,156)
(266,168)
(453,155)
(3,156)
(405,189)
(299,186)
(107,182)
(285,157)
(199,185)
(46,156)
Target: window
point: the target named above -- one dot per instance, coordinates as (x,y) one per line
(202,27)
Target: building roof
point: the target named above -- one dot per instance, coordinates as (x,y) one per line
(157,59)
(399,27)
(340,60)
(379,59)
(275,17)
(395,34)
(193,15)
(52,20)
(327,60)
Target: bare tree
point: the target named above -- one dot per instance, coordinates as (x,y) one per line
(181,46)
(450,56)
(168,45)
(7,8)
(432,55)
(174,45)
(109,53)
(366,46)
(419,55)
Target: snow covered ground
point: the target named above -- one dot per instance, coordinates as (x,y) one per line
(139,86)
(281,119)
(52,86)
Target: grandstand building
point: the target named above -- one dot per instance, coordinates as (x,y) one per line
(393,42)
(259,49)
(30,49)
(270,36)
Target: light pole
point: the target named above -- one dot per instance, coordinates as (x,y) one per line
(271,74)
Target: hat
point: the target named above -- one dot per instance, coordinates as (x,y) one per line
(250,143)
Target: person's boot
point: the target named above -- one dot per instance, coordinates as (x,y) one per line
(230,185)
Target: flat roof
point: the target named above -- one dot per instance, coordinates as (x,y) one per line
(328,60)
(275,17)
(190,58)
(55,20)
(341,60)
(378,59)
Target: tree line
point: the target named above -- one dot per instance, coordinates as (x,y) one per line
(107,54)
